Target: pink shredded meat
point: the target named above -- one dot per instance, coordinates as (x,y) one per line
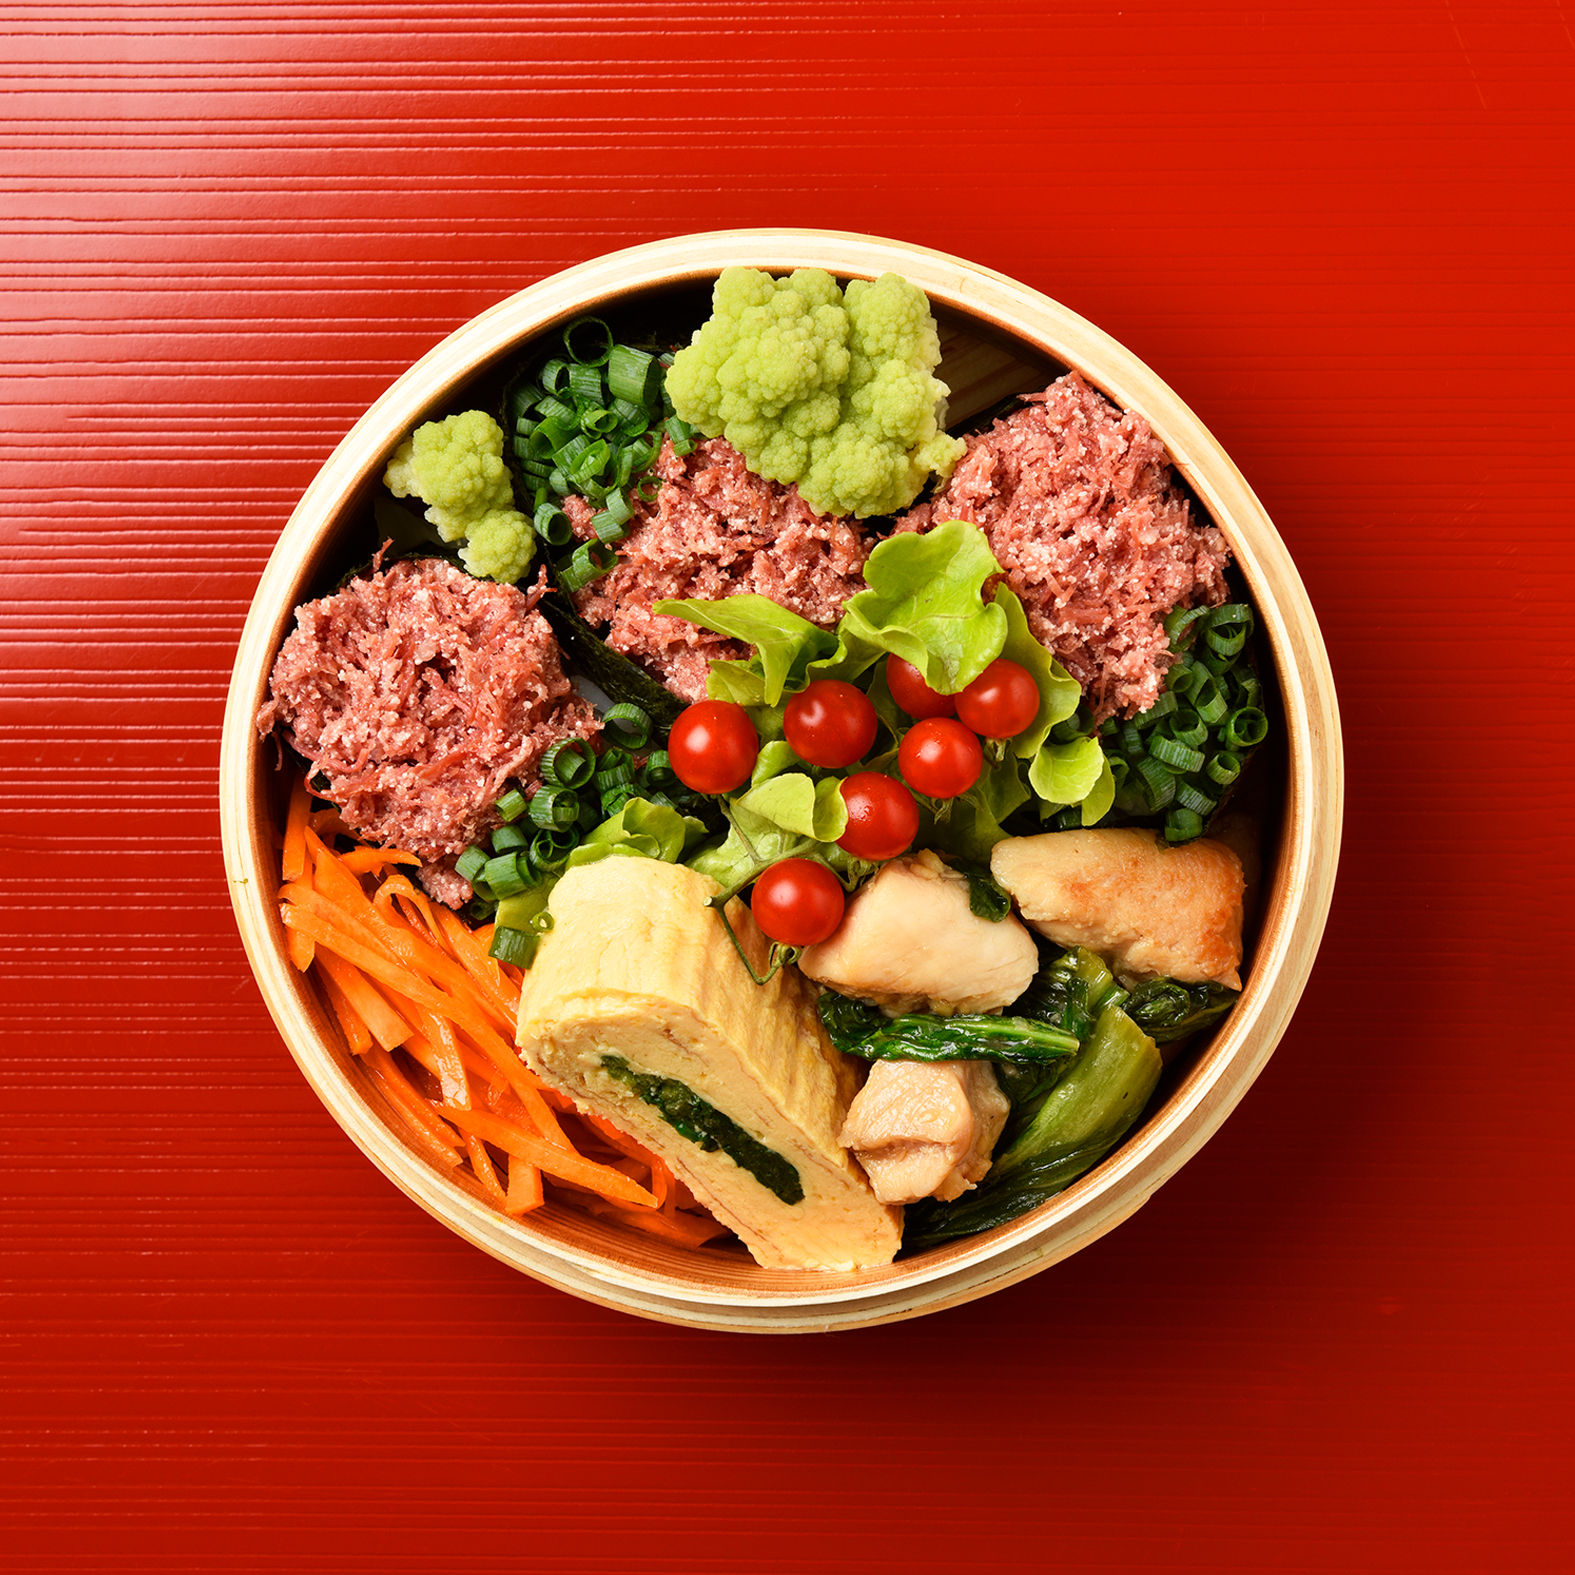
(1083,513)
(715,530)
(418,693)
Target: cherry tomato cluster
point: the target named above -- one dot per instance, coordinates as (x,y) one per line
(713,747)
(940,754)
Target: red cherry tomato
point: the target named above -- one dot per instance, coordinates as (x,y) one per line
(712,746)
(940,757)
(910,691)
(797,902)
(883,818)
(830,723)
(1001,701)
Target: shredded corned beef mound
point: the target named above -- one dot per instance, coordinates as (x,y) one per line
(715,530)
(1084,516)
(418,692)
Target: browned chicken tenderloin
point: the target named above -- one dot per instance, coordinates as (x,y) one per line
(926,1129)
(910,943)
(636,981)
(1152,910)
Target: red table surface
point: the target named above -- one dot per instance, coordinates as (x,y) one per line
(1339,1339)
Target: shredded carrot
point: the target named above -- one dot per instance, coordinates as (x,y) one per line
(385,1024)
(689,1230)
(294,860)
(514,1140)
(408,1103)
(396,976)
(402,971)
(486,1174)
(364,861)
(357,1035)
(525,1190)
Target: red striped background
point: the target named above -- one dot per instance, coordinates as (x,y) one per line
(1339,1339)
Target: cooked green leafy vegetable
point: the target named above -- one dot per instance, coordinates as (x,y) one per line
(1168,1010)
(1069,1129)
(707,1128)
(865,1031)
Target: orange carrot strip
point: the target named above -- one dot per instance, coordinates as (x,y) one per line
(526,1085)
(378,964)
(481,1163)
(514,1140)
(353,1025)
(688,1230)
(525,1190)
(385,1024)
(344,904)
(294,860)
(362,861)
(418,1114)
(421,1047)
(479,965)
(302,950)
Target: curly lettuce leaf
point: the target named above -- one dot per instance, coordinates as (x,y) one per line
(1059,691)
(924,605)
(786,816)
(1063,774)
(785,645)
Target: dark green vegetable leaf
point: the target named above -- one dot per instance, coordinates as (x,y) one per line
(706,1127)
(1167,1010)
(862,1030)
(1077,1123)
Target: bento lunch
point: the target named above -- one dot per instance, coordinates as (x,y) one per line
(742,801)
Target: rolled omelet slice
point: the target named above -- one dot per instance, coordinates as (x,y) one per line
(1153,910)
(639,1008)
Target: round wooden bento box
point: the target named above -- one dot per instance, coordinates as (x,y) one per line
(998,336)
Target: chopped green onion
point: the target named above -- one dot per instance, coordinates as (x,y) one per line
(1161,783)
(1246,728)
(620,776)
(514,946)
(512,805)
(682,434)
(553,525)
(555,807)
(1188,797)
(585,386)
(1182,825)
(568,763)
(631,374)
(1224,768)
(609,531)
(591,560)
(589,341)
(1174,753)
(1227,628)
(470,863)
(628,725)
(509,839)
(504,875)
(1161,708)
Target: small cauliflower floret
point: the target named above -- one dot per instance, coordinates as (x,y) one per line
(833,392)
(1153,910)
(926,1129)
(499,547)
(909,943)
(455,466)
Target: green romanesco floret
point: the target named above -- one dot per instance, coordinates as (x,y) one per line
(455,466)
(832,390)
